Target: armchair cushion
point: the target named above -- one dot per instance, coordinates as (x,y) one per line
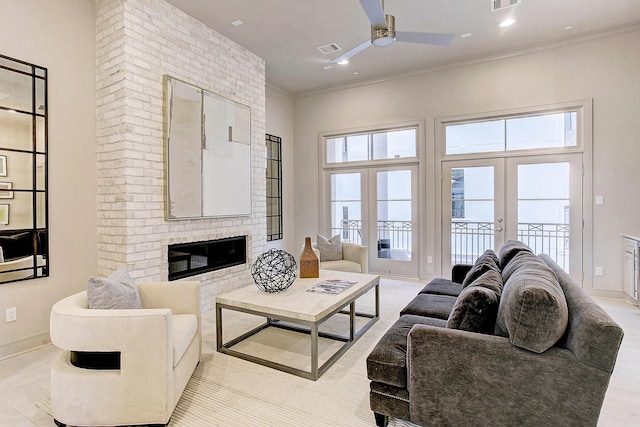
(185,327)
(118,291)
(330,249)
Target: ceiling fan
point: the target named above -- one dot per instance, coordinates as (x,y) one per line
(383,32)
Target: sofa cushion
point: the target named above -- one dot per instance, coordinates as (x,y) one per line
(118,291)
(428,305)
(476,307)
(533,310)
(509,250)
(521,259)
(485,262)
(387,362)
(184,327)
(330,249)
(439,286)
(341,265)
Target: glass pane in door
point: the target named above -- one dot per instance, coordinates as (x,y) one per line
(346,207)
(543,209)
(394,222)
(472,213)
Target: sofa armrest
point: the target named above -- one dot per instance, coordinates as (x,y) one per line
(459,272)
(463,378)
(356,253)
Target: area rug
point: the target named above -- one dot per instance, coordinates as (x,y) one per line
(227,391)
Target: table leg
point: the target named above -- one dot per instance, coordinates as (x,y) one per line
(352,321)
(218,327)
(314,351)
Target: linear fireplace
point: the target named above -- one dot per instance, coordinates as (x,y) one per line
(189,259)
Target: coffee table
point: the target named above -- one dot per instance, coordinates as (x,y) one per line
(303,311)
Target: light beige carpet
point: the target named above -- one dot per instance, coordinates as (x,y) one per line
(227,391)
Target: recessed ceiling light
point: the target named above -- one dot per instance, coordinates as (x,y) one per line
(355,73)
(327,67)
(237,22)
(343,62)
(569,27)
(507,22)
(465,35)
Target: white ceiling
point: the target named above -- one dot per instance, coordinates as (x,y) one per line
(286,33)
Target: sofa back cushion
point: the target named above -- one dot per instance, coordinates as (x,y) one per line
(476,307)
(533,310)
(511,249)
(521,259)
(485,262)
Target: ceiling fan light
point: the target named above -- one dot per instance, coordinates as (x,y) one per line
(383,40)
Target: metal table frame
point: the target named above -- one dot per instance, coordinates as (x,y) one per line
(307,327)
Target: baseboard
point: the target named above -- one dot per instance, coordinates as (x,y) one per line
(22,346)
(598,293)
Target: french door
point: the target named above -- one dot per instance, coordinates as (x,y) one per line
(377,207)
(535,199)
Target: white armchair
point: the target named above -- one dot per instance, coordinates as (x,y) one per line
(157,349)
(355,259)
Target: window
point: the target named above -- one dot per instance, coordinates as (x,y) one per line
(539,131)
(392,144)
(274,187)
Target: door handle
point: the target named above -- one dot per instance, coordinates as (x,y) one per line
(500,228)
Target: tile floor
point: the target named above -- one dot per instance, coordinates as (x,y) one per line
(24,379)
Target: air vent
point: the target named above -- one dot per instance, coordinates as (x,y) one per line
(503,4)
(329,48)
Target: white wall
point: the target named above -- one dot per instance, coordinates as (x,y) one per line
(279,122)
(58,35)
(138,42)
(606,69)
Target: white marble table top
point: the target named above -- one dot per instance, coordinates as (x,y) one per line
(296,302)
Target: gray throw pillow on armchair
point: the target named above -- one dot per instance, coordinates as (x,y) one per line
(118,291)
(330,249)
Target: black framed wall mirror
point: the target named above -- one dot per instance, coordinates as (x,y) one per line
(24,239)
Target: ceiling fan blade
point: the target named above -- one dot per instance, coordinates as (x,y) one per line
(375,12)
(362,46)
(437,39)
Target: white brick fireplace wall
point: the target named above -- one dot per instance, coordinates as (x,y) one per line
(137,42)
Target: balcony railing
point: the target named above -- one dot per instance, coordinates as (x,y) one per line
(470,239)
(393,237)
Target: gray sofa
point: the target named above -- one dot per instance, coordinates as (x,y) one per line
(511,340)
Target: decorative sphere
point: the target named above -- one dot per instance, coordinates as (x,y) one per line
(274,270)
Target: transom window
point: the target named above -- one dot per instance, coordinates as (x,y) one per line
(549,130)
(391,144)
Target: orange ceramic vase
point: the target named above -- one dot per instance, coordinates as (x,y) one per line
(309,263)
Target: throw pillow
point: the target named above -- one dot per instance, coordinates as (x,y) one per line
(484,263)
(533,310)
(491,280)
(330,249)
(475,310)
(118,291)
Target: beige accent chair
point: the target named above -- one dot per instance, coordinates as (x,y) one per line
(355,258)
(157,347)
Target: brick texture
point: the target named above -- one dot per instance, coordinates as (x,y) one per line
(137,43)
